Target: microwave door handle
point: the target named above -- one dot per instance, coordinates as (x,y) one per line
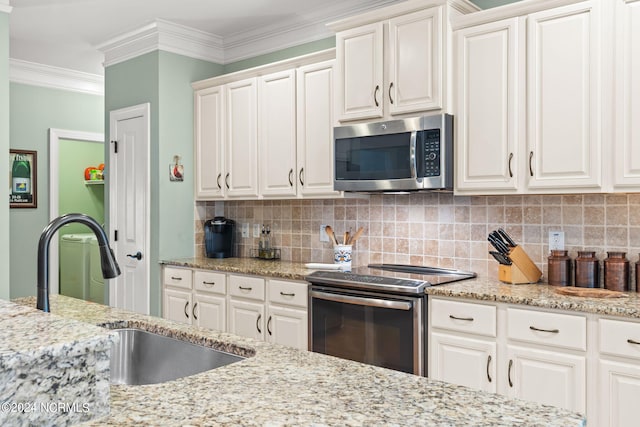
(369,302)
(412,154)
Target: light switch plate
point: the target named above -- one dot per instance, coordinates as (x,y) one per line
(256,230)
(556,240)
(323,233)
(245,230)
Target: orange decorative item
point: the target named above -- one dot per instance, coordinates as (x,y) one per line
(101,166)
(87,173)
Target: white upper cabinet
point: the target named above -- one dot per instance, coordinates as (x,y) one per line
(564,97)
(530,101)
(415,62)
(486,72)
(209,142)
(394,66)
(315,122)
(277,133)
(626,166)
(359,52)
(241,179)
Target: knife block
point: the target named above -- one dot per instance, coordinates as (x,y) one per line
(521,270)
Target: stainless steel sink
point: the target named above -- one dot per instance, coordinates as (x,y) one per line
(143,357)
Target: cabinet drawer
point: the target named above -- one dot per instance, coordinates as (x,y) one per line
(178,277)
(208,281)
(467,317)
(554,329)
(617,338)
(246,287)
(290,293)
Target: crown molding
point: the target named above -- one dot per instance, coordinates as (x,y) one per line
(4,7)
(48,76)
(166,36)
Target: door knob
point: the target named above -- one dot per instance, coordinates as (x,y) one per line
(137,255)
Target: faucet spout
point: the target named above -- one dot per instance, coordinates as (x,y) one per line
(110,268)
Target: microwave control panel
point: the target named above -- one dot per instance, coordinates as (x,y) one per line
(429,143)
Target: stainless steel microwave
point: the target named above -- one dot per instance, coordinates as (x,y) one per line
(398,155)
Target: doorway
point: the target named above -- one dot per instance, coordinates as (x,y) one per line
(64,197)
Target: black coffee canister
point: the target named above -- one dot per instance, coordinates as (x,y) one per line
(587,270)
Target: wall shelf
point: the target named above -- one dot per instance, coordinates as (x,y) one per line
(94,182)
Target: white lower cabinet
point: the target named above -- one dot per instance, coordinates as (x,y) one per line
(463,361)
(251,306)
(618,373)
(529,354)
(548,377)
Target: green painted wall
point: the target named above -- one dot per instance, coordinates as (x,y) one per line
(75,196)
(164,80)
(488,4)
(5,289)
(280,55)
(33,111)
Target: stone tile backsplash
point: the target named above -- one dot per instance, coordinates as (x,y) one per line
(437,229)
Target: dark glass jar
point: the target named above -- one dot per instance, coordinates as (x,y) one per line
(559,268)
(616,271)
(587,270)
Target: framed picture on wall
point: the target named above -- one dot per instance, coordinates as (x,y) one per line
(23,179)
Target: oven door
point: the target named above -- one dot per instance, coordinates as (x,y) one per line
(377,329)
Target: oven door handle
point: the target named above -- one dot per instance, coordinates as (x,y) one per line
(369,302)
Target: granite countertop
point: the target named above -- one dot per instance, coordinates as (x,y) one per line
(284,386)
(482,289)
(538,295)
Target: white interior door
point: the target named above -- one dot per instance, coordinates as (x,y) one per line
(129,206)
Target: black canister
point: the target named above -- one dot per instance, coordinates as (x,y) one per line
(616,271)
(559,268)
(587,270)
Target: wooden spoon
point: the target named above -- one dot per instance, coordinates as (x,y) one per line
(331,235)
(356,236)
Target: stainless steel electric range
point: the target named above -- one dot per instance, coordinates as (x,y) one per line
(375,314)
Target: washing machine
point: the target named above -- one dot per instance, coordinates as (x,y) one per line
(74,265)
(96,281)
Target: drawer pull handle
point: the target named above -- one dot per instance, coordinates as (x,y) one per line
(258,323)
(285,294)
(509,373)
(245,289)
(176,278)
(208,283)
(630,341)
(553,331)
(488,364)
(468,319)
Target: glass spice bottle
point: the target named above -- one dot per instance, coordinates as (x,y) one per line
(587,270)
(559,268)
(616,272)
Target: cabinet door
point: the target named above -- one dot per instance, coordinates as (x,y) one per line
(315,95)
(415,60)
(209,143)
(288,327)
(177,306)
(241,179)
(277,134)
(463,361)
(246,318)
(547,377)
(488,96)
(564,97)
(619,388)
(360,67)
(209,312)
(626,142)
